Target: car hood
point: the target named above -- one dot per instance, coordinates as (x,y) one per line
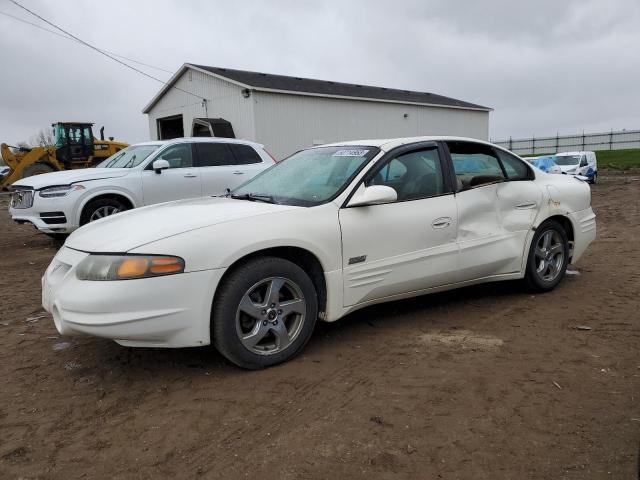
(132,229)
(67,177)
(565,168)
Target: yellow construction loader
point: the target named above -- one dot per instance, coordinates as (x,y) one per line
(74,147)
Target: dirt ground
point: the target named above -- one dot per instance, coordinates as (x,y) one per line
(482,383)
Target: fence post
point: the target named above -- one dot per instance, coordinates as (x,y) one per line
(533,144)
(611,140)
(510,144)
(557,142)
(583,140)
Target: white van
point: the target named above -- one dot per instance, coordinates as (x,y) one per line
(578,163)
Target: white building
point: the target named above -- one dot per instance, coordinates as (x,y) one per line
(289,113)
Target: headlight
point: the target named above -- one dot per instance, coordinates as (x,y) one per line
(127,267)
(59,191)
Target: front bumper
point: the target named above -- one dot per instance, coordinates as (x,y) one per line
(171,311)
(55,215)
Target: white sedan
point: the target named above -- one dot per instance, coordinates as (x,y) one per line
(327,231)
(59,202)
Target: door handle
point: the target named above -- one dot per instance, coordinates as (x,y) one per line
(238,172)
(527,205)
(190,175)
(441,222)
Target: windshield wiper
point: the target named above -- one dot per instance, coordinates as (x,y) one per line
(253,197)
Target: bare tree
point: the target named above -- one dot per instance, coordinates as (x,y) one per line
(43,138)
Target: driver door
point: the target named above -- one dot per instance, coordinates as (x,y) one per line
(408,245)
(181,180)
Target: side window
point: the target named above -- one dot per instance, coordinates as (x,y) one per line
(178,156)
(474,164)
(215,154)
(413,175)
(514,167)
(583,161)
(245,155)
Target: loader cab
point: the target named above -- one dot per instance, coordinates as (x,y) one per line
(73,143)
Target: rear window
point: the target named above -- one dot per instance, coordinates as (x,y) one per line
(215,154)
(245,155)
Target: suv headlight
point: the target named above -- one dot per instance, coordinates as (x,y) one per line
(127,267)
(59,191)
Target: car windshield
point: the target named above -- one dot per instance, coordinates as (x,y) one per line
(309,177)
(129,157)
(567,159)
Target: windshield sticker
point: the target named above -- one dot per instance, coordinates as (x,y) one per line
(354,152)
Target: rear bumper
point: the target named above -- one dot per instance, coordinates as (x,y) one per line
(584,231)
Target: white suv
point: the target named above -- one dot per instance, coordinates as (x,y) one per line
(142,174)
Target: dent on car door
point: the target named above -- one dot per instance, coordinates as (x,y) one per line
(496,209)
(405,246)
(181,180)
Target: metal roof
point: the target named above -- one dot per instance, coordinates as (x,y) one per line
(324,88)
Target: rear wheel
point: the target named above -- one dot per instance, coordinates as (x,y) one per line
(37,168)
(264,313)
(548,257)
(101,208)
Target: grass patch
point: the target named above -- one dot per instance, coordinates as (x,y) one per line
(612,159)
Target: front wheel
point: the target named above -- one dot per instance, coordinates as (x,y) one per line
(100,208)
(595,178)
(548,257)
(264,313)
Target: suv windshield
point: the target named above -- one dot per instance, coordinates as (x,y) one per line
(129,157)
(567,160)
(309,177)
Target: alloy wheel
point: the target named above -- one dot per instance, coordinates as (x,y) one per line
(270,315)
(102,212)
(549,255)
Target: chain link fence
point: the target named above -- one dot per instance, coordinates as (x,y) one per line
(613,140)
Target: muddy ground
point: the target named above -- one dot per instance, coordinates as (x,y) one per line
(482,383)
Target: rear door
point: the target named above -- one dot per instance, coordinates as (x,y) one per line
(181,180)
(225,166)
(497,202)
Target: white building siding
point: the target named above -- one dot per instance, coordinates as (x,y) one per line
(286,123)
(224,100)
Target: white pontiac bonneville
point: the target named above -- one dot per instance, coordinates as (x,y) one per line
(327,231)
(57,203)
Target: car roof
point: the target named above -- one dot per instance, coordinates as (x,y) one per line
(573,153)
(389,143)
(200,140)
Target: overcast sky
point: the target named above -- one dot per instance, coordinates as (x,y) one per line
(545,66)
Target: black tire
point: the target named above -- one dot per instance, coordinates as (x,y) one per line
(533,279)
(37,168)
(594,179)
(58,237)
(226,313)
(90,209)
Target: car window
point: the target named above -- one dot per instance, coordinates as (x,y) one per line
(215,154)
(474,164)
(245,155)
(178,156)
(413,175)
(309,177)
(514,167)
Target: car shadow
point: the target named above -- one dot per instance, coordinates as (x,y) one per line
(139,363)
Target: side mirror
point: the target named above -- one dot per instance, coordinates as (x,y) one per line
(373,195)
(160,165)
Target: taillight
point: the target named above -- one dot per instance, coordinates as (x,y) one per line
(269,153)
